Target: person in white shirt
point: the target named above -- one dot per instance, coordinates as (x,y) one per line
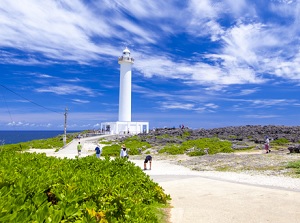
(123,152)
(267,145)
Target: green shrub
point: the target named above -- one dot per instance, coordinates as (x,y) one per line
(15,147)
(133,144)
(295,165)
(198,146)
(280,141)
(232,137)
(186,134)
(105,142)
(164,136)
(172,149)
(37,188)
(197,152)
(111,150)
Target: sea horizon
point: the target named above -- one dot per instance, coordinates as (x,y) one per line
(18,136)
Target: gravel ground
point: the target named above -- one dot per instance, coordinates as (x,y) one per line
(252,167)
(255,161)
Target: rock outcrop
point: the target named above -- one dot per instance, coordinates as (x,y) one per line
(254,133)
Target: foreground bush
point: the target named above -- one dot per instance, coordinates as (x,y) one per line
(36,188)
(199,147)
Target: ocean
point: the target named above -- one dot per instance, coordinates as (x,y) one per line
(12,137)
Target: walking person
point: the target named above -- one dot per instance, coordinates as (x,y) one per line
(98,150)
(79,148)
(123,152)
(267,145)
(148,158)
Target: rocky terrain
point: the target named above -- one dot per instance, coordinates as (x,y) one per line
(253,160)
(253,133)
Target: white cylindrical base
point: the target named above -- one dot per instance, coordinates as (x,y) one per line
(125,93)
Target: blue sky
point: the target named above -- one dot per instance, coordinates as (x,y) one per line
(201,63)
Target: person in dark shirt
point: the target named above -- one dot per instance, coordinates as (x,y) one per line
(98,151)
(148,158)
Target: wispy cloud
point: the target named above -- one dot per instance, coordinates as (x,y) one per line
(68,90)
(79,101)
(200,56)
(247,92)
(176,105)
(260,116)
(70,30)
(270,102)
(172,105)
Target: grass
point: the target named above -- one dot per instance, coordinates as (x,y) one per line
(280,142)
(49,143)
(295,166)
(162,212)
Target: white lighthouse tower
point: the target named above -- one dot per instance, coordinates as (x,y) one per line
(124,125)
(125,62)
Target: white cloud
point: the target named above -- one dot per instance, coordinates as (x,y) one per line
(177,105)
(58,30)
(79,101)
(196,73)
(211,105)
(270,102)
(246,92)
(68,90)
(248,51)
(260,116)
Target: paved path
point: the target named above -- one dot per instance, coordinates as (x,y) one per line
(88,147)
(198,198)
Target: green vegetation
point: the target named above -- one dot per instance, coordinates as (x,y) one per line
(172,149)
(37,188)
(105,142)
(50,143)
(111,150)
(280,142)
(295,165)
(186,134)
(232,137)
(198,147)
(133,144)
(164,136)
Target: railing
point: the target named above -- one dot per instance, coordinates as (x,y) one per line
(129,59)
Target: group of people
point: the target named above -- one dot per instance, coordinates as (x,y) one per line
(123,154)
(98,150)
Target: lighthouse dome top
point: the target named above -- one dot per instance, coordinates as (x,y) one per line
(126,58)
(126,51)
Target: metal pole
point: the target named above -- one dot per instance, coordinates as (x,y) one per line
(65,127)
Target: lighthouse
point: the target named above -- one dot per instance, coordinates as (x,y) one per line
(125,62)
(124,125)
